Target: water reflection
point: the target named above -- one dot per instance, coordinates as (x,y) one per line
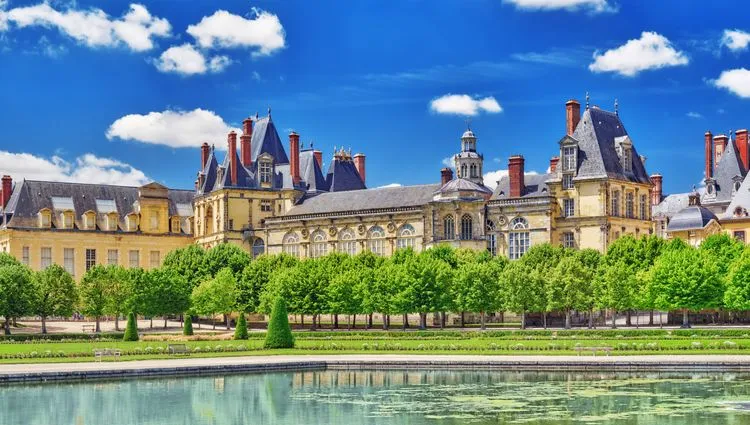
(388,397)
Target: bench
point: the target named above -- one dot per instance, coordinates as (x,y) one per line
(100,353)
(88,328)
(606,350)
(177,349)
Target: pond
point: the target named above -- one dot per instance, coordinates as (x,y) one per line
(387,397)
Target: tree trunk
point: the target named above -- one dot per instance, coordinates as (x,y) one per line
(44,324)
(165,321)
(385,322)
(227,321)
(628,320)
(314,325)
(651,318)
(685,319)
(544,319)
(423,321)
(117,322)
(348,322)
(442,320)
(213,321)
(302,320)
(369,321)
(404,322)
(484,324)
(523,320)
(97,328)
(152,322)
(614,318)
(591,319)
(354,321)
(567,319)
(6,326)
(463,323)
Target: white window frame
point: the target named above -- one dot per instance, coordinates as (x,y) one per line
(265,170)
(449,228)
(567,181)
(134,258)
(154,259)
(113,257)
(569,158)
(26,255)
(519,239)
(347,242)
(45,257)
(319,245)
(568,240)
(467,227)
(90,258)
(69,260)
(615,203)
(376,240)
(290,244)
(630,205)
(569,207)
(406,237)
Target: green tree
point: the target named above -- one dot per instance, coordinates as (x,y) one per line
(131,328)
(226,255)
(169,293)
(544,258)
(279,333)
(93,291)
(187,327)
(385,289)
(478,288)
(570,287)
(591,261)
(240,331)
(737,295)
(524,290)
(344,293)
(686,279)
(54,294)
(430,285)
(217,295)
(256,276)
(119,291)
(615,288)
(189,262)
(16,291)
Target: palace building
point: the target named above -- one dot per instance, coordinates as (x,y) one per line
(271,196)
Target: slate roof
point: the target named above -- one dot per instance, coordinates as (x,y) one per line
(671,205)
(367,199)
(693,217)
(266,140)
(30,196)
(463,185)
(343,176)
(728,167)
(310,172)
(741,199)
(597,156)
(535,185)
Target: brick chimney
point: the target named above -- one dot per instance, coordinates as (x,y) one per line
(572,116)
(359,164)
(446,175)
(515,173)
(6,191)
(232,140)
(553,163)
(245,146)
(318,157)
(720,144)
(656,190)
(294,160)
(709,154)
(204,155)
(741,141)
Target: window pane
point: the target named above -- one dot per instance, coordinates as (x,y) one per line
(113,257)
(25,257)
(135,258)
(46,257)
(154,258)
(69,260)
(90,258)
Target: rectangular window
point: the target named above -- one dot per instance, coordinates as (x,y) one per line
(265,206)
(740,235)
(25,257)
(569,207)
(90,258)
(319,249)
(46,257)
(629,207)
(45,219)
(154,221)
(616,203)
(627,160)
(134,257)
(492,244)
(569,158)
(377,246)
(154,259)
(69,260)
(569,240)
(567,181)
(644,207)
(518,244)
(404,243)
(265,172)
(292,249)
(113,257)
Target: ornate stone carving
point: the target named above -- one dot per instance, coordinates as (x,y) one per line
(391,227)
(502,220)
(361,229)
(305,233)
(332,231)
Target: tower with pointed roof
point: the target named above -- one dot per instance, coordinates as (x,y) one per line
(468,162)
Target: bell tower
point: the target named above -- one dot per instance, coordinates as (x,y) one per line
(468,162)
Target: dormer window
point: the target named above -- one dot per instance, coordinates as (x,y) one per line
(45,218)
(110,222)
(132,222)
(624,148)
(265,169)
(176,224)
(569,158)
(89,220)
(66,220)
(710,187)
(627,160)
(154,221)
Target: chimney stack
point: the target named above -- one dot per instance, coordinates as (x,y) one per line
(741,141)
(318,158)
(446,175)
(7,190)
(720,144)
(515,173)
(709,154)
(553,163)
(359,164)
(204,155)
(572,116)
(247,135)
(656,190)
(294,160)
(232,139)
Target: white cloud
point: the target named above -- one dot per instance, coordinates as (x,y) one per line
(187,60)
(177,129)
(651,51)
(463,104)
(389,185)
(87,168)
(735,40)
(262,32)
(93,27)
(592,6)
(736,81)
(447,162)
(491,178)
(695,115)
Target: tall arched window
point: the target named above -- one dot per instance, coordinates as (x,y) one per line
(463,171)
(406,236)
(319,246)
(630,205)
(449,228)
(291,244)
(376,240)
(259,247)
(491,238)
(518,238)
(466,227)
(347,242)
(473,169)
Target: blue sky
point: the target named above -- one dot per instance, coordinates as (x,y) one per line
(118,93)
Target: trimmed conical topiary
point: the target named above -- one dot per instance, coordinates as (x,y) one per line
(240,331)
(279,333)
(131,331)
(187,327)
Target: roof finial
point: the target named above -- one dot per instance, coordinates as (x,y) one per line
(587,100)
(269,112)
(468,123)
(256,115)
(617,107)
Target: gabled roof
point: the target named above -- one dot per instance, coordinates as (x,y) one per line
(310,172)
(367,199)
(741,199)
(210,172)
(694,217)
(343,176)
(726,170)
(266,140)
(535,185)
(245,177)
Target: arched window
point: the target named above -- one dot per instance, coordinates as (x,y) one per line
(406,236)
(376,240)
(629,205)
(319,246)
(616,203)
(449,229)
(347,242)
(463,171)
(518,238)
(291,244)
(466,227)
(491,238)
(473,169)
(259,247)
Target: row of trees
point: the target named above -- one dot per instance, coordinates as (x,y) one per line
(635,274)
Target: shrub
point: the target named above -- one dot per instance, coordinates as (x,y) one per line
(131,330)
(240,332)
(187,327)
(279,333)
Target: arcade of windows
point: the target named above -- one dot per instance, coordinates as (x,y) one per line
(347,243)
(466,229)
